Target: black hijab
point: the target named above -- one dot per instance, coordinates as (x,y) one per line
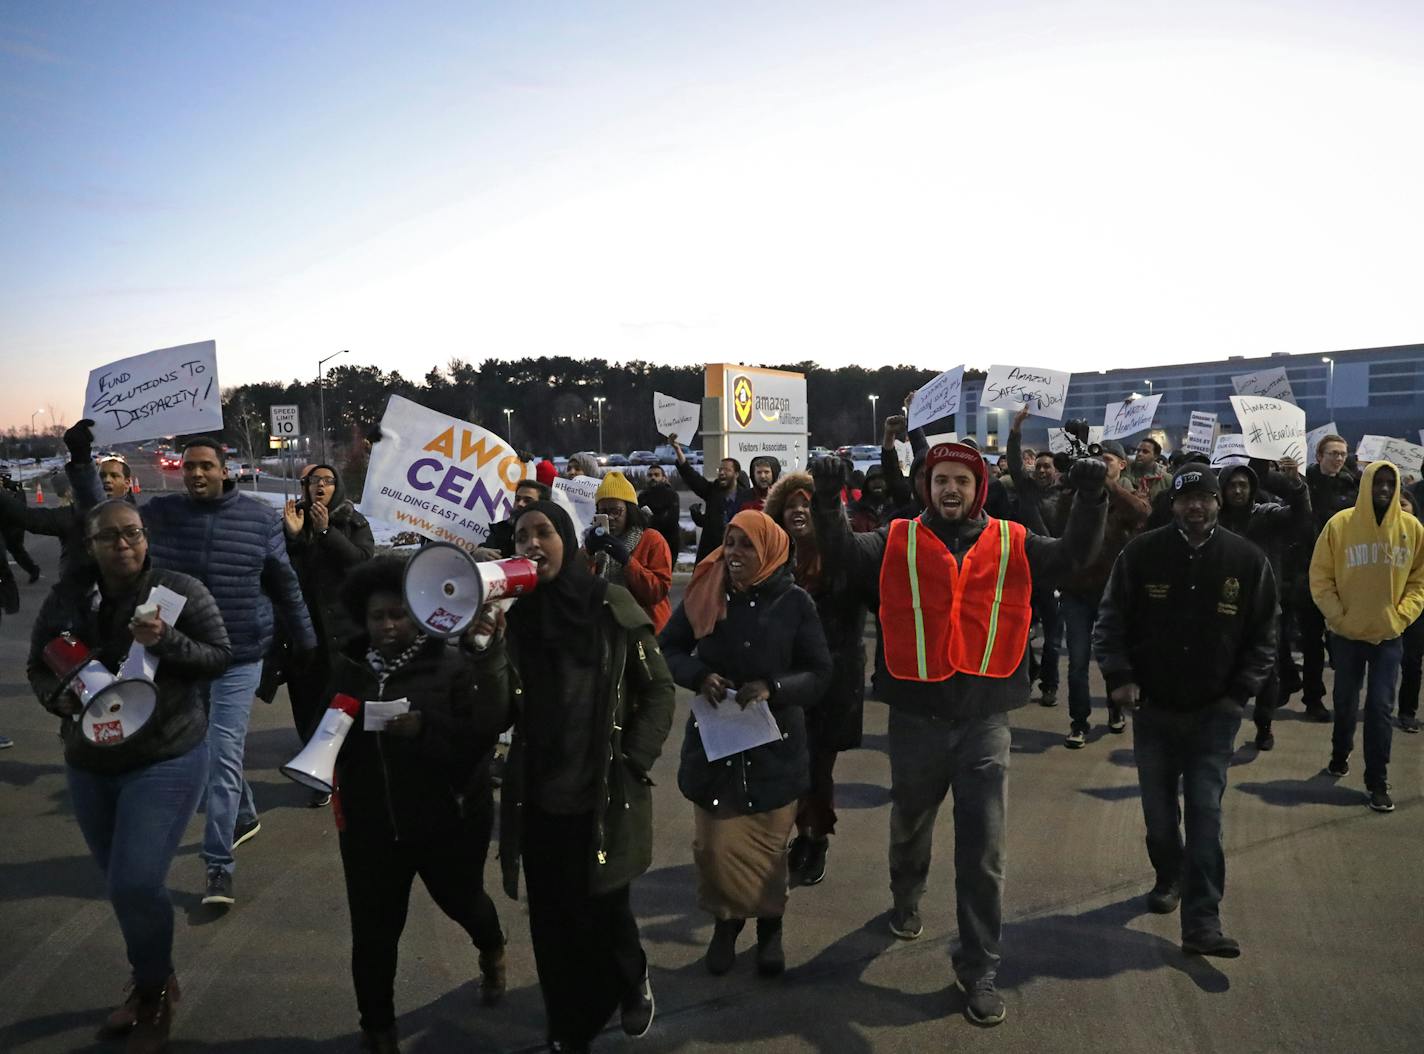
(563,613)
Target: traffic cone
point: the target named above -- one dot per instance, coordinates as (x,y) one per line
(137,486)
(39,494)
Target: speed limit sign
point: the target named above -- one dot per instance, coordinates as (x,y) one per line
(285,422)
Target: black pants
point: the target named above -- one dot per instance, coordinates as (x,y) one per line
(15,542)
(586,948)
(1411,667)
(1312,650)
(306,689)
(379,874)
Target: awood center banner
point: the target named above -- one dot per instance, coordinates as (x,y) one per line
(439,476)
(763,414)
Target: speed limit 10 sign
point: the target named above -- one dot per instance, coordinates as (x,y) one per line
(285,422)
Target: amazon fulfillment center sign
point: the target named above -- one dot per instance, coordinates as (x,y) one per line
(757,413)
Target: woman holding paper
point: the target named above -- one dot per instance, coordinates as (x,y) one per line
(133,797)
(593,705)
(412,785)
(746,635)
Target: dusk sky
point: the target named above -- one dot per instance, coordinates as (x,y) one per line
(1080,185)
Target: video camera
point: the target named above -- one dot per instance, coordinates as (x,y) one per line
(1078,446)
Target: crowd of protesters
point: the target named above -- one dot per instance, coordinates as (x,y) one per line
(1191,588)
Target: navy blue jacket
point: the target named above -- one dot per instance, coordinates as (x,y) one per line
(236,548)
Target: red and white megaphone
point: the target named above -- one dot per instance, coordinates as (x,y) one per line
(445,587)
(316,764)
(114,708)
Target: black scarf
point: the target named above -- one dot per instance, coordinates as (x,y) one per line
(563,614)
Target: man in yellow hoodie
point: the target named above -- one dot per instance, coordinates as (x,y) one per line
(1367,579)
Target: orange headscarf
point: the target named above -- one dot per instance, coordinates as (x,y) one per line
(706,598)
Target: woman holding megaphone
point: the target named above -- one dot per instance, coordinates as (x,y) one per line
(592,707)
(133,789)
(412,788)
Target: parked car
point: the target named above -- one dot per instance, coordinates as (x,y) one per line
(170,459)
(242,471)
(818,451)
(614,461)
(642,457)
(865,452)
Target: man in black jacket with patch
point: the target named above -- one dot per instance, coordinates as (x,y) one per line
(1186,634)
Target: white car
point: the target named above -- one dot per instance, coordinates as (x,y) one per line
(242,471)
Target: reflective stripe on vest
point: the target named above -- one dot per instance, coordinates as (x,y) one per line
(940,618)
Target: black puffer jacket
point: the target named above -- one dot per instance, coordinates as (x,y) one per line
(192,650)
(412,789)
(323,560)
(771,633)
(1271,526)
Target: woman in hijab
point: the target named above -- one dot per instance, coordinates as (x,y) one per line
(593,703)
(326,539)
(745,630)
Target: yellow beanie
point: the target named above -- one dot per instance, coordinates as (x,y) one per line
(616,485)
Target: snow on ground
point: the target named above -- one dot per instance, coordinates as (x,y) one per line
(27,469)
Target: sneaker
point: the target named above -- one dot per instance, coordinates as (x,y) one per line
(638,1009)
(153,1019)
(905,923)
(796,857)
(1164,898)
(245,832)
(6,742)
(1048,697)
(1077,739)
(813,867)
(982,1003)
(1380,801)
(1265,740)
(1216,944)
(1407,723)
(1339,765)
(770,959)
(1117,723)
(493,976)
(219,887)
(722,950)
(1317,712)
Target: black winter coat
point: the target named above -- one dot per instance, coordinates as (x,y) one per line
(1271,525)
(722,505)
(771,633)
(666,507)
(406,790)
(193,650)
(1189,627)
(322,562)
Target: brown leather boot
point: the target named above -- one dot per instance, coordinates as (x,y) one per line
(153,1017)
(121,1019)
(492,976)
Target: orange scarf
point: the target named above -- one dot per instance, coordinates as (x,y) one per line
(706,599)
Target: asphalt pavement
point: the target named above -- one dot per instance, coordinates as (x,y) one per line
(1323,894)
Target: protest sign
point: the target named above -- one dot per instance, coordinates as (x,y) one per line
(937,399)
(674,417)
(1010,387)
(1272,428)
(1130,416)
(576,495)
(1403,454)
(1315,435)
(1272,384)
(439,476)
(1230,449)
(941,437)
(1201,432)
(1095,434)
(167,392)
(1058,441)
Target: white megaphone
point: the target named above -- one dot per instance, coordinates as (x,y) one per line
(445,587)
(114,708)
(314,766)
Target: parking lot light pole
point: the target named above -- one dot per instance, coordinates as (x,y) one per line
(321,394)
(600,401)
(874,420)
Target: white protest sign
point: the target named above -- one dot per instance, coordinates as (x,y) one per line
(674,417)
(1272,384)
(1230,449)
(1130,416)
(938,399)
(576,495)
(941,437)
(905,453)
(1315,435)
(1010,387)
(1272,428)
(439,476)
(1095,434)
(1201,432)
(161,393)
(1400,452)
(1058,441)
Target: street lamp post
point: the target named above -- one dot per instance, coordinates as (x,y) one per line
(321,394)
(508,424)
(32,421)
(1148,382)
(874,419)
(600,401)
(1329,387)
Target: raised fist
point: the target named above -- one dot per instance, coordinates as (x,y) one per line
(79,440)
(829,475)
(1088,476)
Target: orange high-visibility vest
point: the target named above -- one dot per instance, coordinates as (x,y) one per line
(938,618)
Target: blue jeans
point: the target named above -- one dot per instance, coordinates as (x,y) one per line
(1078,616)
(132,824)
(1045,609)
(229,799)
(1376,667)
(930,757)
(1182,758)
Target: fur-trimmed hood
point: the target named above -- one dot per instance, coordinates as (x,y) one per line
(782,489)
